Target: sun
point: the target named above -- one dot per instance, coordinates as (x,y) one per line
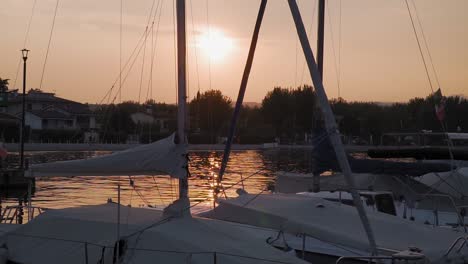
(214,44)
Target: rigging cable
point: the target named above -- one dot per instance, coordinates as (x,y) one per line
(444,128)
(197,117)
(129,63)
(339,47)
(144,51)
(48,45)
(142,68)
(26,37)
(425,43)
(335,63)
(195,47)
(310,32)
(154,42)
(159,192)
(209,38)
(419,46)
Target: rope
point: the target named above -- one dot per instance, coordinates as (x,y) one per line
(209,37)
(310,32)
(335,63)
(196,48)
(419,46)
(154,42)
(26,37)
(425,43)
(48,45)
(159,193)
(339,49)
(142,66)
(109,92)
(449,141)
(144,50)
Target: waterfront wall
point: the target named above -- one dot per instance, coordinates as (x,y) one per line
(14,147)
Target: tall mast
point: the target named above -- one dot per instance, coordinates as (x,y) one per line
(182,86)
(243,87)
(318,120)
(320,35)
(330,122)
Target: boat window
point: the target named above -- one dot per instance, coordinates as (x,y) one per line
(385,204)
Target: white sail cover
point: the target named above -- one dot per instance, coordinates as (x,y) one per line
(335,223)
(453,183)
(162,157)
(88,234)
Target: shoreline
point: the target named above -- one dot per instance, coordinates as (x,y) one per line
(37,147)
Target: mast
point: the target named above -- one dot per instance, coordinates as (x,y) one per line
(243,87)
(318,120)
(182,87)
(330,122)
(320,36)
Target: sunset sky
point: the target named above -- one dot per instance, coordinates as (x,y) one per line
(378,57)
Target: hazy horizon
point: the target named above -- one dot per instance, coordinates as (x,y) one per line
(378,60)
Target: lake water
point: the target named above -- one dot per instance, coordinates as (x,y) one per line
(259,166)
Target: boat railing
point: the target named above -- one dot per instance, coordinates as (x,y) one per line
(435,210)
(14,214)
(455,243)
(452,203)
(406,256)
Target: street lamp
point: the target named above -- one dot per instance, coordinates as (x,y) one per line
(23,113)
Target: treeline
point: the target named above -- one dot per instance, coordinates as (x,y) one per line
(289,115)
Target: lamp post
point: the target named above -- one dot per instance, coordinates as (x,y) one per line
(23,113)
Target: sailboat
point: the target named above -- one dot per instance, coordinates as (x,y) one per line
(112,233)
(314,226)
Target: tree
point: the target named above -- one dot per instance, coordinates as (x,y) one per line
(290,111)
(210,113)
(277,109)
(4,85)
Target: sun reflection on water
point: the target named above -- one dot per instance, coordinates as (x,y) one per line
(160,191)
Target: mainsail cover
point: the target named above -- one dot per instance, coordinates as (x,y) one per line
(162,157)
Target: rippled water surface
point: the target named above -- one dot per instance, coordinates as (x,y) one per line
(258,166)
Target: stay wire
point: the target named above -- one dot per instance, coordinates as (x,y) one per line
(48,44)
(142,37)
(310,32)
(335,63)
(209,38)
(419,46)
(195,47)
(339,47)
(149,94)
(26,37)
(142,69)
(449,141)
(425,42)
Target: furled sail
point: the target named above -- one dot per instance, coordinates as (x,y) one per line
(162,157)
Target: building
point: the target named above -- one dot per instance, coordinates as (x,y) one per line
(161,121)
(45,111)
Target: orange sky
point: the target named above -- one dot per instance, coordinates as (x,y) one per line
(379,58)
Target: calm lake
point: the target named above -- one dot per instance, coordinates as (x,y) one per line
(259,165)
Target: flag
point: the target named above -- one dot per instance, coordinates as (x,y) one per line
(3,152)
(440,110)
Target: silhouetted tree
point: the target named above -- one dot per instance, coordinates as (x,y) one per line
(210,113)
